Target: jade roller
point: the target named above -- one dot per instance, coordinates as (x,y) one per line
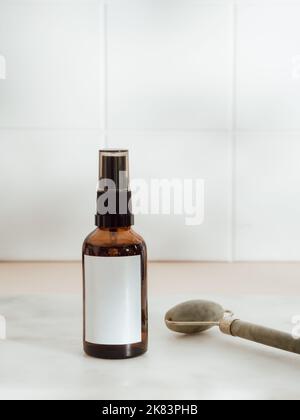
(197,316)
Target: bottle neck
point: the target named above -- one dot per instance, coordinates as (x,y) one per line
(119,229)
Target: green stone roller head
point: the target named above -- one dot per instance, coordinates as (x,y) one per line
(197,316)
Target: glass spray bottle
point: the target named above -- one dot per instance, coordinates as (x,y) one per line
(114,269)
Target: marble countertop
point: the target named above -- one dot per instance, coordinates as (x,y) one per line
(42,356)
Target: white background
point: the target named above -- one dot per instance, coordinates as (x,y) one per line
(194,88)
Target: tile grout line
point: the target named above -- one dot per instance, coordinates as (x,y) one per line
(106,71)
(103,70)
(234,132)
(150,131)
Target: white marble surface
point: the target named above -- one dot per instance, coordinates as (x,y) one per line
(42,356)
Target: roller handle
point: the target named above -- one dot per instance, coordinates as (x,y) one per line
(261,335)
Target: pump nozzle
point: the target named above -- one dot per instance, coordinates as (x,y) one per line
(114,166)
(114,196)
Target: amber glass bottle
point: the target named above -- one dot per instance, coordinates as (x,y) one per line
(114,269)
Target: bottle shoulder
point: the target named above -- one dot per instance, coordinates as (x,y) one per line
(112,237)
(115,242)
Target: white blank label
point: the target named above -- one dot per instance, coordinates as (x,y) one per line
(113,313)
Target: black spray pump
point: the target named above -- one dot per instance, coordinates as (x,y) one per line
(114,195)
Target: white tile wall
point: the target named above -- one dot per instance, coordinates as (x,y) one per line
(52,54)
(212,85)
(169,65)
(268,190)
(48,185)
(268,66)
(184,156)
